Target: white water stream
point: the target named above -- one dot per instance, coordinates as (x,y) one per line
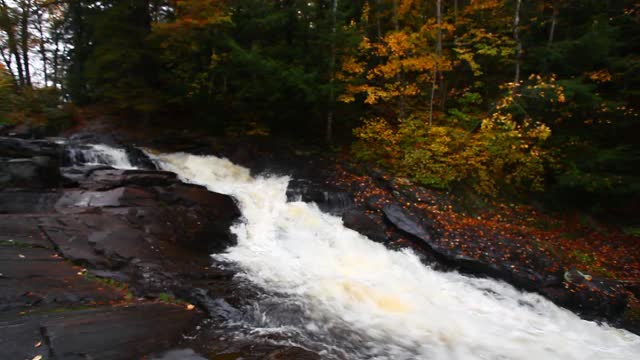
(100,154)
(350,298)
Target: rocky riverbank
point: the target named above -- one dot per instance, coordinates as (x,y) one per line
(102,263)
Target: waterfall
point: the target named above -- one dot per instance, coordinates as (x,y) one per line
(332,290)
(98,154)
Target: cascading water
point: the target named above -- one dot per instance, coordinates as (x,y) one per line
(98,154)
(329,289)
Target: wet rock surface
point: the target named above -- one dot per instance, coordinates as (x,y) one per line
(103,263)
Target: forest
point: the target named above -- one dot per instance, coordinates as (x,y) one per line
(502,98)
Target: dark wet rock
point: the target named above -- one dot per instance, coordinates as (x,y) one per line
(19,337)
(27,202)
(328,200)
(19,148)
(179,354)
(123,332)
(105,178)
(591,296)
(359,221)
(375,202)
(406,222)
(117,197)
(291,354)
(35,172)
(33,276)
(22,230)
(29,164)
(202,219)
(139,159)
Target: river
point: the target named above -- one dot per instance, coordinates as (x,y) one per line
(331,290)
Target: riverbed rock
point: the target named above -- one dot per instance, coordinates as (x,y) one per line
(359,221)
(121,332)
(406,222)
(35,172)
(328,200)
(19,148)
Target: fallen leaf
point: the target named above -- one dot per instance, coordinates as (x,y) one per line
(38,344)
(190,307)
(37,357)
(21,256)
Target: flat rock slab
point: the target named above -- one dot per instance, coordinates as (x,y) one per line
(27,202)
(121,332)
(37,276)
(22,338)
(125,332)
(22,230)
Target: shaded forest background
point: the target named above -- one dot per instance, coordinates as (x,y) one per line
(516,98)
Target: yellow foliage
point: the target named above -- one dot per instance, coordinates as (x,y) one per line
(600,76)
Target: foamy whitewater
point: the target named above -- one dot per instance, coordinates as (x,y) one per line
(332,290)
(100,154)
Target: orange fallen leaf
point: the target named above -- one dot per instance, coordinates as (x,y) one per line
(38,344)
(190,307)
(37,357)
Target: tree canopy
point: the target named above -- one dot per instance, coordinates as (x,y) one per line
(493,95)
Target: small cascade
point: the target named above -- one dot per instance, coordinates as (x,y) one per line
(97,154)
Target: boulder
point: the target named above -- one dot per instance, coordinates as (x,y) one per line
(39,172)
(329,200)
(19,148)
(359,221)
(406,222)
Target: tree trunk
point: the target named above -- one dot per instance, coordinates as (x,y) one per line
(24,37)
(7,23)
(332,65)
(43,52)
(6,58)
(516,37)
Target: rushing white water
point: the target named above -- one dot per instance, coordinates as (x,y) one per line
(339,293)
(100,154)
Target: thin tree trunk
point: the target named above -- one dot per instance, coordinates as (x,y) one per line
(516,37)
(7,61)
(16,55)
(24,37)
(55,75)
(42,49)
(332,65)
(9,29)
